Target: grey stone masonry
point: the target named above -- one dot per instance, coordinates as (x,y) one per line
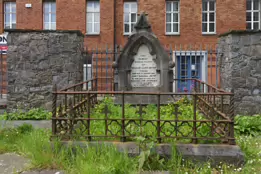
(240,67)
(36,60)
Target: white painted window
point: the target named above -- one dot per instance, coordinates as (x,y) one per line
(208,17)
(172,17)
(93,17)
(9,15)
(253,14)
(49,15)
(130,16)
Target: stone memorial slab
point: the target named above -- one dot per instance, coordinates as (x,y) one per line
(144,69)
(143,66)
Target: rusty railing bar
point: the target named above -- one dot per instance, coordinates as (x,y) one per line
(123,138)
(54,110)
(137,119)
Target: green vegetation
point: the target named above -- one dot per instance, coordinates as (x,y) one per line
(32,114)
(248,125)
(148,129)
(35,145)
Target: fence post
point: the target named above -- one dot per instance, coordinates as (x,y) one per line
(89,116)
(158,122)
(194,139)
(54,109)
(231,141)
(123,138)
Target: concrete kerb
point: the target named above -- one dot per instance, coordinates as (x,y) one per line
(215,154)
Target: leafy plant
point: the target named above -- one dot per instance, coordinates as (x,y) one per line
(248,125)
(32,114)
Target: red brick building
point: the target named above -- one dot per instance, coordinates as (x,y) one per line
(174,22)
(187,19)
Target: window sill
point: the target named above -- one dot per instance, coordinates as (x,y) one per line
(209,34)
(92,34)
(126,34)
(172,34)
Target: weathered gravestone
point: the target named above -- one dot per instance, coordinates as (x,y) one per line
(143,66)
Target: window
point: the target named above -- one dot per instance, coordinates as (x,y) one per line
(49,15)
(209,17)
(93,17)
(130,16)
(253,15)
(172,17)
(9,15)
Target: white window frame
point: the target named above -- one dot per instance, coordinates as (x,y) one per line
(252,11)
(50,12)
(92,14)
(10,14)
(172,12)
(208,22)
(129,16)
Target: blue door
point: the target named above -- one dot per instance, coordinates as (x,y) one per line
(188,67)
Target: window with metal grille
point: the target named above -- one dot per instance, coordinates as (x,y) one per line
(253,14)
(9,15)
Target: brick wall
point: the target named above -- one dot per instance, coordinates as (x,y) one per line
(230,15)
(71,15)
(29,18)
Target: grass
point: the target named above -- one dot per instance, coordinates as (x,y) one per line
(35,145)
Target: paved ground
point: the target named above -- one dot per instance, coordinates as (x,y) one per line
(12,163)
(45,124)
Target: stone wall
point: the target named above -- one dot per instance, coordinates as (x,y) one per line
(36,60)
(240,61)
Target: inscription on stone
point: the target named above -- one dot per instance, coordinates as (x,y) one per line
(143,69)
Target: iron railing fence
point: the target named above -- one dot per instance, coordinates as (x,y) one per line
(3,74)
(80,114)
(198,61)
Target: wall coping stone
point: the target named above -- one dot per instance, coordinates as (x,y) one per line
(239,32)
(78,32)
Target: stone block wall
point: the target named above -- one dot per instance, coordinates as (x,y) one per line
(240,67)
(36,60)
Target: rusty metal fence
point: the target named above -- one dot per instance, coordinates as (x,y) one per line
(98,64)
(80,114)
(3,74)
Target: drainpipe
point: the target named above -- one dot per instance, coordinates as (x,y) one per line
(114,35)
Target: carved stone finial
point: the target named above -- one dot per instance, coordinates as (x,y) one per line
(142,23)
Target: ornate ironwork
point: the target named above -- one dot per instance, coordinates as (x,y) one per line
(74,118)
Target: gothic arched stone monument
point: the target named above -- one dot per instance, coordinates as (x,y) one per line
(144,65)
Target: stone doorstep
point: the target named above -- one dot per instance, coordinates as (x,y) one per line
(197,153)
